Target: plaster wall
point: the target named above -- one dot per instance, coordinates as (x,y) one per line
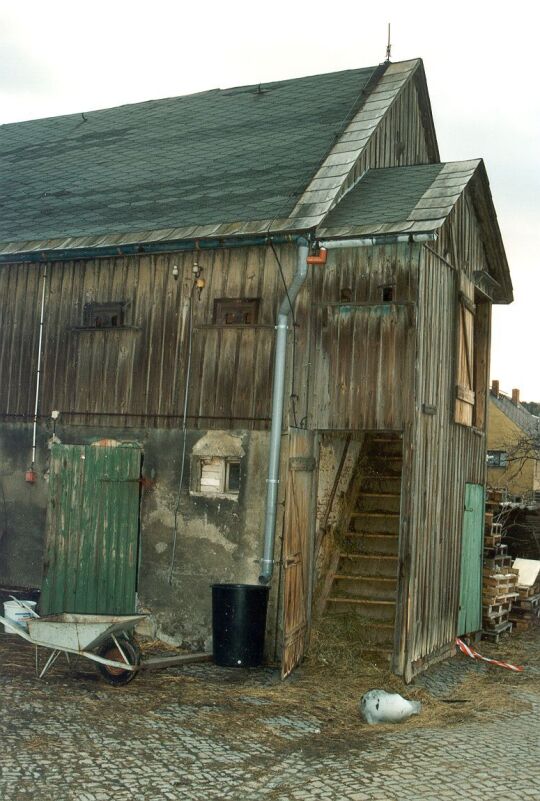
(503,435)
(217,539)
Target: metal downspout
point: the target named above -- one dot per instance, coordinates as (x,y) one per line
(278,391)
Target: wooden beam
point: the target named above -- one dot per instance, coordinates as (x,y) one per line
(161,662)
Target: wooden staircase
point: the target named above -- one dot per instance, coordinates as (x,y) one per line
(365,582)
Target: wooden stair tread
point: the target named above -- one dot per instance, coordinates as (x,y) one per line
(369,601)
(381,477)
(368,556)
(369,494)
(375,514)
(364,578)
(379,624)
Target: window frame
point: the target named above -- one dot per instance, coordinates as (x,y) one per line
(224,307)
(224,489)
(108,309)
(501,464)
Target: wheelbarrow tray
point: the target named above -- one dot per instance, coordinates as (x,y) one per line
(77,633)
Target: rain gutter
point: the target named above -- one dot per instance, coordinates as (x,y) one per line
(138,249)
(371,241)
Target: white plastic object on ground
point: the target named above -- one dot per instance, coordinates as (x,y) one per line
(378,706)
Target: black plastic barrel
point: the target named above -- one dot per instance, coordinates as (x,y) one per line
(238,624)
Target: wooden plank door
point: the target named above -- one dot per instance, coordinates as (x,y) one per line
(470,596)
(297,550)
(92,530)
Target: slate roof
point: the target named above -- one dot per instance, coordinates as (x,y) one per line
(400,200)
(240,154)
(237,162)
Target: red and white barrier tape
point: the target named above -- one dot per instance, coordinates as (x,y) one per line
(468,651)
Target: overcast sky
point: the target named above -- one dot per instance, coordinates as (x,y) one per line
(59,57)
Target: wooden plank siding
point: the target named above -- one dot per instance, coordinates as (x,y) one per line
(440,455)
(399,139)
(362,358)
(297,546)
(393,127)
(135,374)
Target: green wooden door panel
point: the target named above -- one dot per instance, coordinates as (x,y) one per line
(470,595)
(92,530)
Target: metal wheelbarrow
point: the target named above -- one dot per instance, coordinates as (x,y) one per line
(104,639)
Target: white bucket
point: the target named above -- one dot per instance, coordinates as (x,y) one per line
(14,611)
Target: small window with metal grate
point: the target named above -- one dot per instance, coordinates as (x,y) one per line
(236,311)
(104,315)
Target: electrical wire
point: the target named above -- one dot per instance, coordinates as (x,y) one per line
(282,278)
(184,434)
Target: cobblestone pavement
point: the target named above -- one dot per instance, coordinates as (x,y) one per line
(206,733)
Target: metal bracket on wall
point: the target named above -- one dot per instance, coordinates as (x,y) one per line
(305,464)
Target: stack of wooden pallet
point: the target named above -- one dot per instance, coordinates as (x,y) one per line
(499,578)
(526,609)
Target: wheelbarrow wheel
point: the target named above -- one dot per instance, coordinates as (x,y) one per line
(109,650)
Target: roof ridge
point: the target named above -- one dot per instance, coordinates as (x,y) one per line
(329,183)
(240,88)
(439,164)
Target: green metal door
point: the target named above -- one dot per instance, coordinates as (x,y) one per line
(470,596)
(92,530)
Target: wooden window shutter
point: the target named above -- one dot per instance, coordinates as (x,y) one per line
(212,475)
(465,395)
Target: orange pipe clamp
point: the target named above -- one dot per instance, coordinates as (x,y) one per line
(320,259)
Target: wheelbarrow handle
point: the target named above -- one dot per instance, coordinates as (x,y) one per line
(16,629)
(24,606)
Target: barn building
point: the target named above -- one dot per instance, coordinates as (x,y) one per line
(244,336)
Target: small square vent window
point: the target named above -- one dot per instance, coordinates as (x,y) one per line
(236,311)
(216,476)
(104,315)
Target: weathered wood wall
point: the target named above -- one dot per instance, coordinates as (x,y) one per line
(135,375)
(362,351)
(402,137)
(441,456)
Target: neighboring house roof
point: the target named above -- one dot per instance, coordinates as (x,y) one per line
(529,423)
(253,159)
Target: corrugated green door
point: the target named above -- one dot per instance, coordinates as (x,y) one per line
(470,596)
(92,530)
